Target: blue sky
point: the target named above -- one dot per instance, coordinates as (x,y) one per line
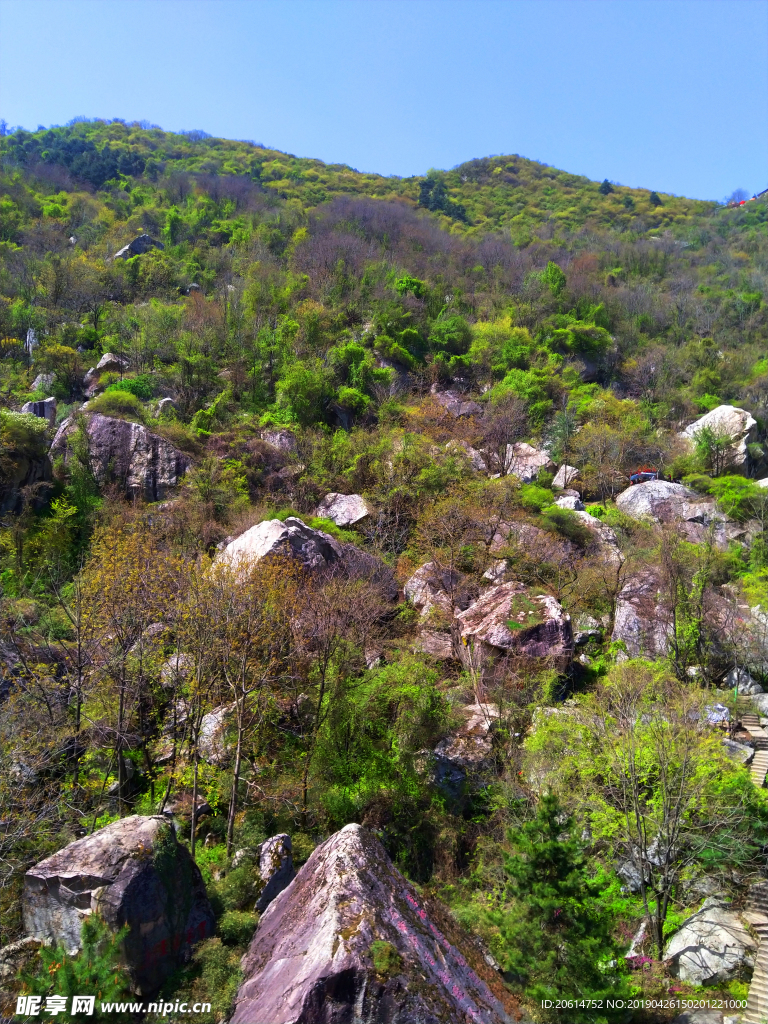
(664,94)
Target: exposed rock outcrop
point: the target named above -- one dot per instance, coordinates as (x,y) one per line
(130,872)
(215,744)
(343,509)
(640,619)
(143,463)
(564,477)
(692,514)
(604,537)
(284,440)
(740,680)
(313,548)
(469,751)
(139,245)
(727,421)
(275,869)
(570,502)
(508,620)
(349,940)
(45,409)
(433,587)
(456,404)
(526,462)
(712,946)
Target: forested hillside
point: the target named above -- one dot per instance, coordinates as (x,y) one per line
(316,510)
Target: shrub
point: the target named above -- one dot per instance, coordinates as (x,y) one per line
(120,404)
(142,387)
(236,927)
(535,498)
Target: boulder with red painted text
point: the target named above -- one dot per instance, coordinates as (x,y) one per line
(132,872)
(350,940)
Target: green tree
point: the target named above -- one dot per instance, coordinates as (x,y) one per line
(305,390)
(555,930)
(95,970)
(554,277)
(605,188)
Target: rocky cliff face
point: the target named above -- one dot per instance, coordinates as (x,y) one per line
(130,872)
(349,940)
(144,463)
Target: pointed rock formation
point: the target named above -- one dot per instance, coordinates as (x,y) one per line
(350,940)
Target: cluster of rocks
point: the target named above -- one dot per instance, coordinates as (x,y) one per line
(346,937)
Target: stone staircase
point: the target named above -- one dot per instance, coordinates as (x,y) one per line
(757,915)
(750,722)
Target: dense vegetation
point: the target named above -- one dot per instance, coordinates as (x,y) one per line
(592,319)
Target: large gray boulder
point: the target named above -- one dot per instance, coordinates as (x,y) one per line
(693,515)
(507,620)
(45,409)
(640,620)
(712,946)
(433,587)
(144,464)
(526,462)
(467,753)
(343,509)
(139,245)
(215,741)
(313,548)
(457,405)
(275,869)
(727,421)
(350,939)
(564,477)
(740,680)
(130,872)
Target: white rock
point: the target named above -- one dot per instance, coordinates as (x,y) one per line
(110,361)
(275,869)
(526,462)
(564,476)
(312,548)
(215,742)
(640,620)
(176,668)
(740,680)
(574,504)
(495,570)
(466,450)
(712,946)
(42,382)
(343,509)
(740,752)
(736,423)
(541,629)
(432,587)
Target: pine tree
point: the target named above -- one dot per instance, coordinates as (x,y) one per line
(556,934)
(605,188)
(95,970)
